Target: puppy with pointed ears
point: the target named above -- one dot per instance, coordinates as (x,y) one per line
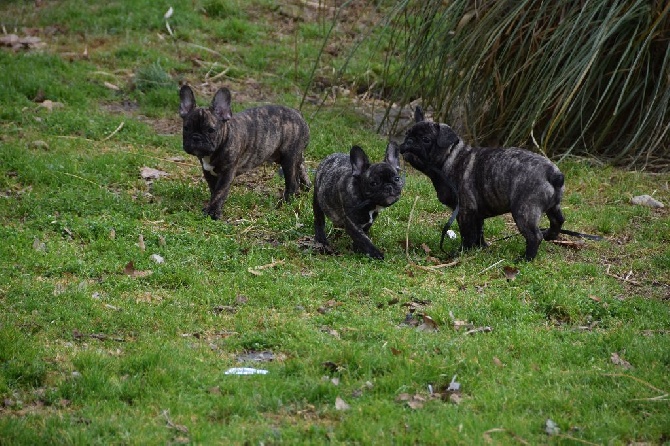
(230,144)
(351,192)
(485,182)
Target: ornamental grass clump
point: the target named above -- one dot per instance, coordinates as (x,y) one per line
(576,77)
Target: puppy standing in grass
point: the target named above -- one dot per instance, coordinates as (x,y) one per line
(352,192)
(485,182)
(229,144)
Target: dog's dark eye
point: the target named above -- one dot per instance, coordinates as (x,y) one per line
(396,179)
(373,184)
(425,140)
(211,130)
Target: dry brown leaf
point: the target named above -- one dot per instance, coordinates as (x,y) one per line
(415,404)
(433,260)
(572,244)
(618,360)
(463,324)
(18,43)
(340,404)
(331,366)
(455,398)
(403,397)
(111,86)
(130,270)
(485,329)
(498,362)
(410,319)
(148,297)
(413,401)
(50,105)
(38,245)
(428,325)
(149,173)
(510,272)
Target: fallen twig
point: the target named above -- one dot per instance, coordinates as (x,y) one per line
(625,279)
(487,435)
(492,266)
(256,270)
(171,425)
(662,397)
(578,440)
(485,329)
(114,132)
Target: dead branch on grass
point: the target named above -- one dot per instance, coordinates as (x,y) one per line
(625,279)
(663,397)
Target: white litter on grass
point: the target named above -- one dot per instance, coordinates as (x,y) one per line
(451,234)
(646,200)
(156,258)
(245,371)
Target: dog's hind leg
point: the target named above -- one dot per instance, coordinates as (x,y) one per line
(556,220)
(290,164)
(319,222)
(471,228)
(527,220)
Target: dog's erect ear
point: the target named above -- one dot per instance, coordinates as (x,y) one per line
(221,104)
(446,137)
(392,156)
(359,161)
(418,114)
(187,100)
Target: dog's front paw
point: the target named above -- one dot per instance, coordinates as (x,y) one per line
(370,251)
(214,213)
(376,254)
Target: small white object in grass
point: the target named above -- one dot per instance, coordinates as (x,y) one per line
(156,258)
(646,200)
(451,234)
(245,371)
(168,14)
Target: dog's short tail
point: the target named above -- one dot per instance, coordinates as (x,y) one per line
(556,178)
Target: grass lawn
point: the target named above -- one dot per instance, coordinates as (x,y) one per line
(122,306)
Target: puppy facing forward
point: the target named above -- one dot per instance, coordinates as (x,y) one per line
(351,192)
(485,182)
(230,144)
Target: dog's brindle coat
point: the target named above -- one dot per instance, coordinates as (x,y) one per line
(485,182)
(352,192)
(230,144)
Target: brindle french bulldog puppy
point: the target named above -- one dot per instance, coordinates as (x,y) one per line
(230,144)
(351,192)
(485,182)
